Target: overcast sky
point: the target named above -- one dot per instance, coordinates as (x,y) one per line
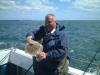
(37,9)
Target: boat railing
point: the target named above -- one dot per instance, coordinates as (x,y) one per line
(85,61)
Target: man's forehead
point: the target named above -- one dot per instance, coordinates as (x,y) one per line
(49,18)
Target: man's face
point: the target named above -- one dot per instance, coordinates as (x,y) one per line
(50,23)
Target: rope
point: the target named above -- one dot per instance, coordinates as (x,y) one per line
(91,60)
(5,57)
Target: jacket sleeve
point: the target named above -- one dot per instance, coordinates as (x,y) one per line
(30,34)
(61,49)
(36,35)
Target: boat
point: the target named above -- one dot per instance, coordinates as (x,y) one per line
(14,61)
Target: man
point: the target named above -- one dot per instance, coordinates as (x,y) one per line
(54,58)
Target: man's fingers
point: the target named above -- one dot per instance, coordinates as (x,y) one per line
(29,37)
(41,56)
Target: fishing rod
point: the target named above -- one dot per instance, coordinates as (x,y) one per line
(28,70)
(91,60)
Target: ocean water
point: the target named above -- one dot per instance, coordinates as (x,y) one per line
(84,38)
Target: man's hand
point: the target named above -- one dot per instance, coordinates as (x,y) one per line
(41,56)
(29,38)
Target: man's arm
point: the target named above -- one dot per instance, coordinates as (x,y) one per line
(61,49)
(36,35)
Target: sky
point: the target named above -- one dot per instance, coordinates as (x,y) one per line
(38,9)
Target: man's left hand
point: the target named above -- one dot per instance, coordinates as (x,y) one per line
(41,56)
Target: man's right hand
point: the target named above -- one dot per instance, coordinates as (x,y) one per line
(29,38)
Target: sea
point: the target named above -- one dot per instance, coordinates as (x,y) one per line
(83,37)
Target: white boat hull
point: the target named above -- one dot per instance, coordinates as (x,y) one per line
(21,59)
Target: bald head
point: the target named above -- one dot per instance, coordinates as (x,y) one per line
(50,22)
(51,16)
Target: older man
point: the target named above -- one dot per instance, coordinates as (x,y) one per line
(54,58)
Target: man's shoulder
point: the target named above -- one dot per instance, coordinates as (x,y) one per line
(61,32)
(42,30)
(61,29)
(41,27)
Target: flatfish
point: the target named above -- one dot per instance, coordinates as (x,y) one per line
(33,47)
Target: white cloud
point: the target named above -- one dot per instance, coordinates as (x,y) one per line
(30,5)
(65,0)
(89,5)
(4,5)
(38,5)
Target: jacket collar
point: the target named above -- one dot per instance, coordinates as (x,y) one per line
(57,30)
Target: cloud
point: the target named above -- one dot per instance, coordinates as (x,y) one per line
(38,5)
(27,5)
(4,5)
(88,5)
